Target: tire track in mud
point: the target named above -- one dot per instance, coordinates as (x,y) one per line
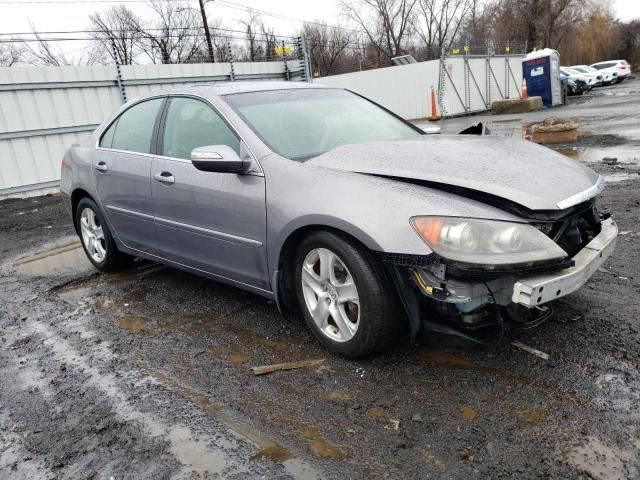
(201,454)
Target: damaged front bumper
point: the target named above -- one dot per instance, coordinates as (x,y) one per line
(540,289)
(469,303)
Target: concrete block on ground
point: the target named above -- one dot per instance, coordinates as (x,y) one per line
(555,130)
(516,105)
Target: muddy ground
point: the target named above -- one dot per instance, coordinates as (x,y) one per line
(146,374)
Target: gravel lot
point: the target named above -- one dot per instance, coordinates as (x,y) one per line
(145,374)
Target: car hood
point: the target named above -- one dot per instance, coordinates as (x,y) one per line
(522,172)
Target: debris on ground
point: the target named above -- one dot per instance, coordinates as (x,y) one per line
(554,130)
(609,160)
(263,370)
(531,350)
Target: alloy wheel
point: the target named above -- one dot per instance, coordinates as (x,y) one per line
(330,294)
(92,235)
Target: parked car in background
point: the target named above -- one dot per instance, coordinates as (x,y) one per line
(575,85)
(621,68)
(591,73)
(590,81)
(608,78)
(317,197)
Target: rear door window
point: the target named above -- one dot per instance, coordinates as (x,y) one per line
(107,137)
(133,130)
(191,123)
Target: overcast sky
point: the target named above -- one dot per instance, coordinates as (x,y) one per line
(48,15)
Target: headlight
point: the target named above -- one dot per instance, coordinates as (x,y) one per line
(486,242)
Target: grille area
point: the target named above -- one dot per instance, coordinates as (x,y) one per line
(574,231)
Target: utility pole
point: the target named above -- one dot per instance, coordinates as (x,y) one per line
(207,34)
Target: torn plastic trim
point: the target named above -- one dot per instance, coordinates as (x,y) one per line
(540,289)
(473,272)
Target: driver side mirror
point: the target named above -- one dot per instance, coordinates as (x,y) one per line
(216,158)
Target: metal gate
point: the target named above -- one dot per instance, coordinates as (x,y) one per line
(470,83)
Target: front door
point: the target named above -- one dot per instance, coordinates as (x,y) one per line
(122,166)
(214,222)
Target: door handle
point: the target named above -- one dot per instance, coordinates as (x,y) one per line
(102,167)
(165,177)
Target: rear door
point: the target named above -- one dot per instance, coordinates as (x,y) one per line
(122,168)
(215,222)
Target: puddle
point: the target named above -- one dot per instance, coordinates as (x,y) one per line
(239,358)
(75,295)
(274,453)
(321,447)
(470,413)
(440,357)
(267,448)
(375,413)
(194,457)
(598,460)
(624,155)
(535,415)
(60,256)
(336,396)
(132,324)
(620,177)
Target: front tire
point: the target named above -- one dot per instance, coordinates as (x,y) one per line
(347,301)
(96,238)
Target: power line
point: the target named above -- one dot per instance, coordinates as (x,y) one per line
(133,30)
(84,39)
(221,3)
(237,6)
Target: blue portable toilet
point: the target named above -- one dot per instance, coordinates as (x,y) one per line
(541,71)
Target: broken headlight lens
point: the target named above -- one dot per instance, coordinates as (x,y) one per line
(486,242)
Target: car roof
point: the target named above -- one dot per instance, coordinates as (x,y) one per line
(607,61)
(245,86)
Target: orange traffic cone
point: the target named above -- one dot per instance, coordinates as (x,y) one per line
(524,88)
(434,110)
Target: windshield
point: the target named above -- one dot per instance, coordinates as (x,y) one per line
(581,70)
(302,123)
(601,66)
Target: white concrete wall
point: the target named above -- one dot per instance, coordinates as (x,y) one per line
(43,110)
(406,89)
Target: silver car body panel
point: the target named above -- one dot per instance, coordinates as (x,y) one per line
(509,168)
(232,227)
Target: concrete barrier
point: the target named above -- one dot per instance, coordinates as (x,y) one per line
(516,105)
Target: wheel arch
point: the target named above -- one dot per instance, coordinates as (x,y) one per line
(77,195)
(283,275)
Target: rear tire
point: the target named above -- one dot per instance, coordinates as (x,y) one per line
(346,299)
(96,238)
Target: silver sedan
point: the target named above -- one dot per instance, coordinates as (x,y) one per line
(326,202)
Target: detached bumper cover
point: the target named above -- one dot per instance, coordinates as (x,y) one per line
(537,290)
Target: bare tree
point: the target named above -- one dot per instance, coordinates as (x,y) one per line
(326,45)
(251,26)
(387,23)
(41,52)
(115,34)
(12,53)
(440,21)
(269,39)
(174,38)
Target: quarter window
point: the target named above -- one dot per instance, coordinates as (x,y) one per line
(190,124)
(134,128)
